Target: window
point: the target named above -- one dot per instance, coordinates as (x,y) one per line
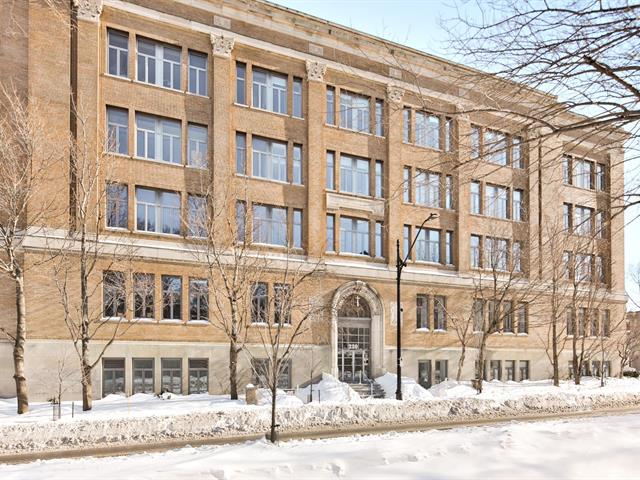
(117,131)
(198,375)
(424,373)
(118,53)
(448,192)
(157,211)
(566,170)
(354,111)
(509,369)
(378,240)
(158,138)
(198,300)
(158,64)
(406,240)
(478,315)
(593,323)
(172,375)
(582,220)
(113,294)
(475,142)
(112,376)
(567,218)
(331,228)
(330,183)
(448,134)
(495,253)
(117,205)
(261,371)
(582,313)
(406,125)
(354,175)
(144,285)
(441,371)
(198,73)
(599,220)
(428,245)
(241,85)
(354,236)
(269,91)
(378,179)
(570,321)
(269,159)
(297,228)
(476,207)
(282,303)
(582,173)
(422,312)
(492,316)
(517,256)
(517,212)
(331,105)
(496,146)
(439,313)
(524,369)
(259,303)
(516,153)
(475,251)
(270,225)
(297,164)
(197,155)
(241,153)
(495,371)
(143,375)
(171,297)
(606,323)
(428,130)
(297,97)
(568,268)
(241,221)
(379,118)
(601,183)
(406,184)
(507,320)
(600,272)
(448,248)
(428,189)
(497,201)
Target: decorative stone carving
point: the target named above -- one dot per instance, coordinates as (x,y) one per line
(89,10)
(316,71)
(394,93)
(222,45)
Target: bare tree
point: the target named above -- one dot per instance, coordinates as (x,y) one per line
(25,157)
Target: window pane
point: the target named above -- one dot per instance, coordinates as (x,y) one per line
(241,73)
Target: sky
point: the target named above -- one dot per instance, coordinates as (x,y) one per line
(419,24)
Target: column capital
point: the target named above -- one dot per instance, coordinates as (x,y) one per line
(394,93)
(222,45)
(316,70)
(89,10)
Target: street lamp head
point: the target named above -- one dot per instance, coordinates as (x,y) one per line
(432,216)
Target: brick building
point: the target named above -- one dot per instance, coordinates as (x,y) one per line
(339,153)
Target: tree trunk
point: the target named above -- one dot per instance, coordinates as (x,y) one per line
(577,367)
(480,366)
(273,436)
(461,363)
(233,369)
(87,388)
(554,354)
(18,347)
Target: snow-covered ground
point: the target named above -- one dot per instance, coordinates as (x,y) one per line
(594,448)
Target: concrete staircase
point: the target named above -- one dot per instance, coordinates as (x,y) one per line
(368,389)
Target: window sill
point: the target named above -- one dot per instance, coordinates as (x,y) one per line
(345,129)
(114,319)
(159,234)
(522,334)
(196,167)
(508,333)
(439,330)
(161,162)
(118,229)
(144,320)
(117,77)
(422,330)
(198,323)
(192,94)
(257,109)
(279,182)
(174,321)
(161,87)
(259,324)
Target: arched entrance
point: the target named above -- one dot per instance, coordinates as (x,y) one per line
(357,333)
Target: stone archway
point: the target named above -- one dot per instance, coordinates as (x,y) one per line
(345,302)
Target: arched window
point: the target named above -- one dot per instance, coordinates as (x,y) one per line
(354,306)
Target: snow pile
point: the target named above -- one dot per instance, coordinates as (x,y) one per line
(283,399)
(453,389)
(411,390)
(329,389)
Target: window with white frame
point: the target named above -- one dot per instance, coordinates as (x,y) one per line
(241,221)
(583,267)
(600,269)
(406,125)
(428,245)
(495,144)
(158,138)
(157,211)
(517,256)
(378,179)
(406,240)
(448,192)
(117,205)
(269,91)
(259,302)
(448,134)
(331,233)
(113,294)
(427,185)
(197,155)
(582,220)
(297,97)
(475,141)
(331,106)
(118,56)
(331,170)
(478,315)
(117,130)
(427,130)
(378,240)
(144,288)
(197,224)
(599,221)
(422,312)
(496,201)
(517,161)
(282,303)
(198,299)
(566,170)
(406,184)
(507,318)
(241,83)
(354,175)
(522,318)
(518,205)
(241,153)
(354,111)
(269,159)
(297,164)
(158,64)
(171,297)
(524,369)
(354,235)
(198,73)
(567,262)
(601,183)
(270,225)
(582,173)
(448,248)
(439,313)
(476,198)
(379,118)
(496,253)
(474,246)
(297,228)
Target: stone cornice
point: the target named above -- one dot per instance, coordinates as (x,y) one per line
(89,10)
(222,46)
(316,70)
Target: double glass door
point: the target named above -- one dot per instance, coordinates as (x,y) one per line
(353,351)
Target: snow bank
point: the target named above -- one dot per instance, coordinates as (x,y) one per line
(329,389)
(282,398)
(411,390)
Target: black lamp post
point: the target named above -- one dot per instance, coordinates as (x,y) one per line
(400,264)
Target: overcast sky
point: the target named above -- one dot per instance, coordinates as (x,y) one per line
(417,23)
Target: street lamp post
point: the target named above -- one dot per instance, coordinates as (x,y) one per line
(400,264)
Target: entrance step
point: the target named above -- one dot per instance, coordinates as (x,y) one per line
(368,389)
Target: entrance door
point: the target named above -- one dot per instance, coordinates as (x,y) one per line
(353,351)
